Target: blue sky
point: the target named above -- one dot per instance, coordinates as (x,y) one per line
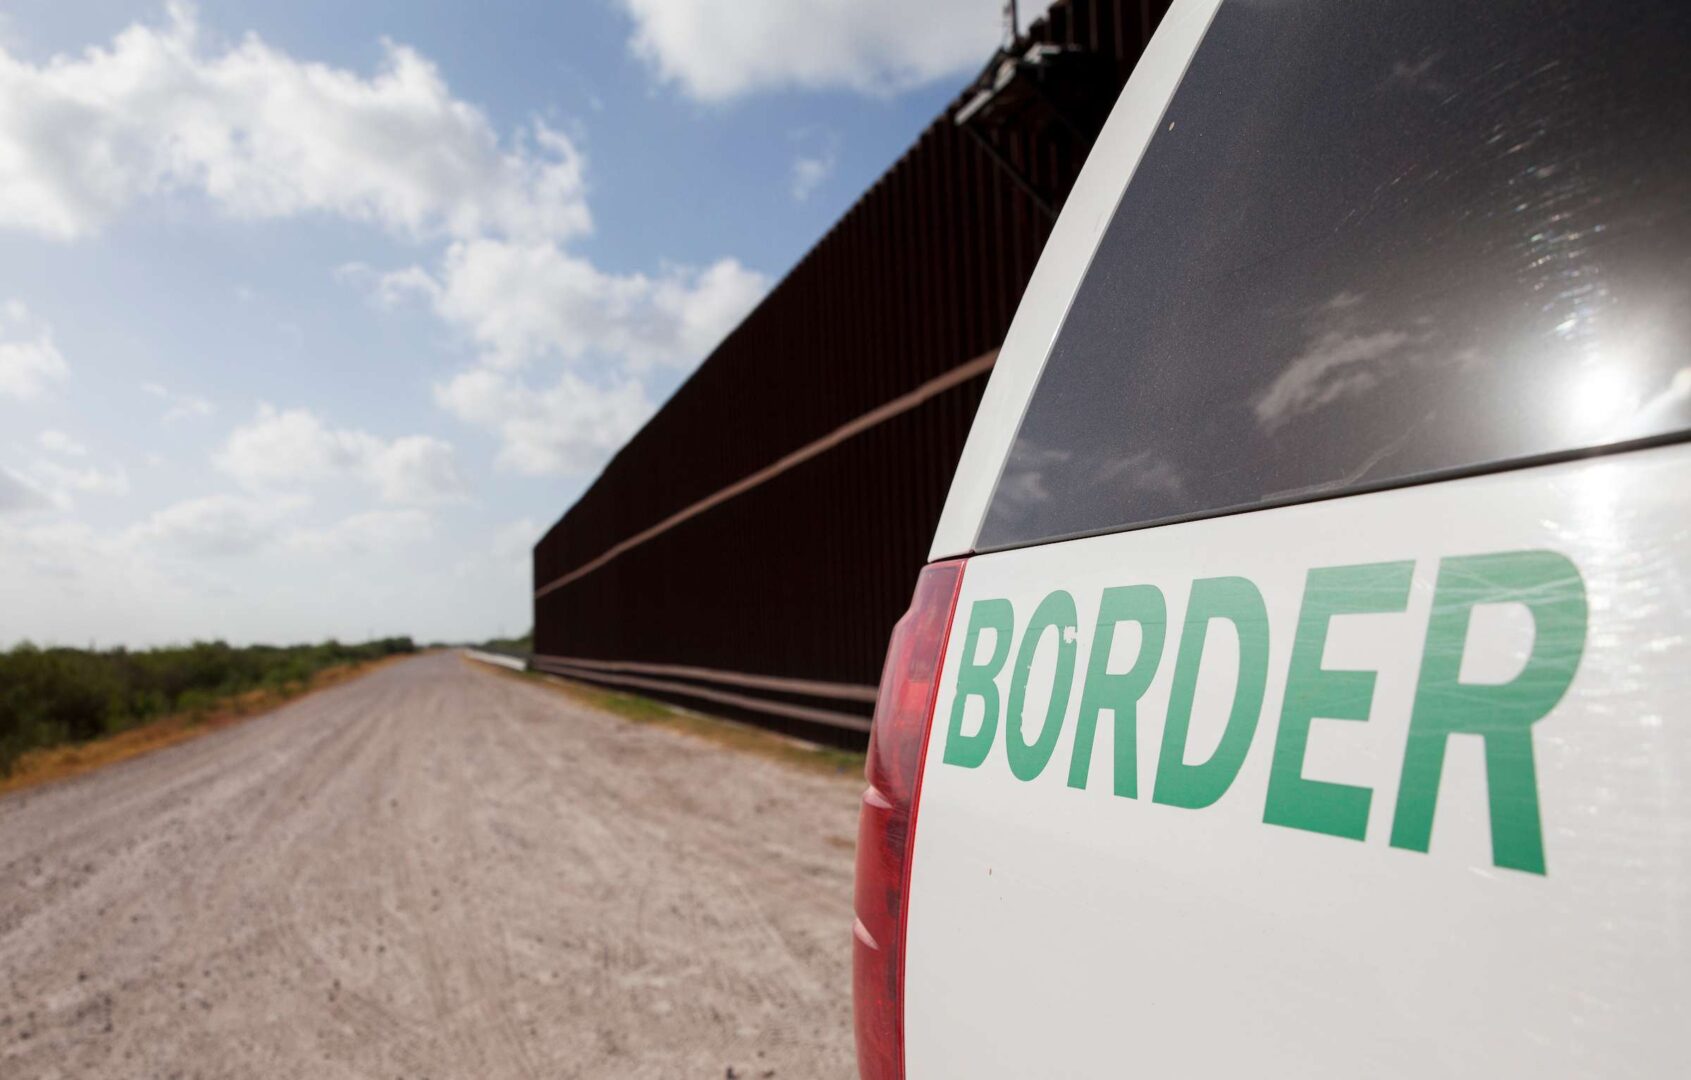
(313,316)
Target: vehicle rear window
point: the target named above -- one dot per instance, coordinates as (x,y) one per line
(1371,244)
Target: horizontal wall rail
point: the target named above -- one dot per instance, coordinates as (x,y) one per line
(669,687)
(810,687)
(878,415)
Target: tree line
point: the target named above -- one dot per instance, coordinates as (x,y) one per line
(50,696)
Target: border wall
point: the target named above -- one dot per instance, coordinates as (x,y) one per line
(749,550)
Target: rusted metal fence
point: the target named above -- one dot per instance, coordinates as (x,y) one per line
(749,550)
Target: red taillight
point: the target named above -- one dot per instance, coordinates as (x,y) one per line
(886,824)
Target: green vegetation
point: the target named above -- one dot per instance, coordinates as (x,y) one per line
(54,696)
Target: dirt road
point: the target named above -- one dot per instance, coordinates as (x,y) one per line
(434,871)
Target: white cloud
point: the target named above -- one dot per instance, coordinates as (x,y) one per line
(390,289)
(567,356)
(567,429)
(809,170)
(286,448)
(162,109)
(61,480)
(237,569)
(57,442)
(69,583)
(165,109)
(179,406)
(18,494)
(516,540)
(213,526)
(522,301)
(54,479)
(294,448)
(508,559)
(819,154)
(29,361)
(720,49)
(373,532)
(415,470)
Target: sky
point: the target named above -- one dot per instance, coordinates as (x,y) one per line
(314,316)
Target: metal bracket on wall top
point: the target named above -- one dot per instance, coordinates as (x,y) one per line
(1046,87)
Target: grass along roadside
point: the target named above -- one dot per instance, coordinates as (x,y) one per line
(48,764)
(746,738)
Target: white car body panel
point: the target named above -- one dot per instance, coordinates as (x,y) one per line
(1097,191)
(1056,932)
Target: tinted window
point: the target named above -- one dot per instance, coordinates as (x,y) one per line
(1375,242)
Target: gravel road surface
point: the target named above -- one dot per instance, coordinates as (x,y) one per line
(432,871)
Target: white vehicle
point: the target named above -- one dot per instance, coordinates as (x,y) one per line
(1302,682)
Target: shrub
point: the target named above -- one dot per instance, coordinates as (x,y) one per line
(51,696)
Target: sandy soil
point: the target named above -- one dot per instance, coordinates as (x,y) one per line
(434,871)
